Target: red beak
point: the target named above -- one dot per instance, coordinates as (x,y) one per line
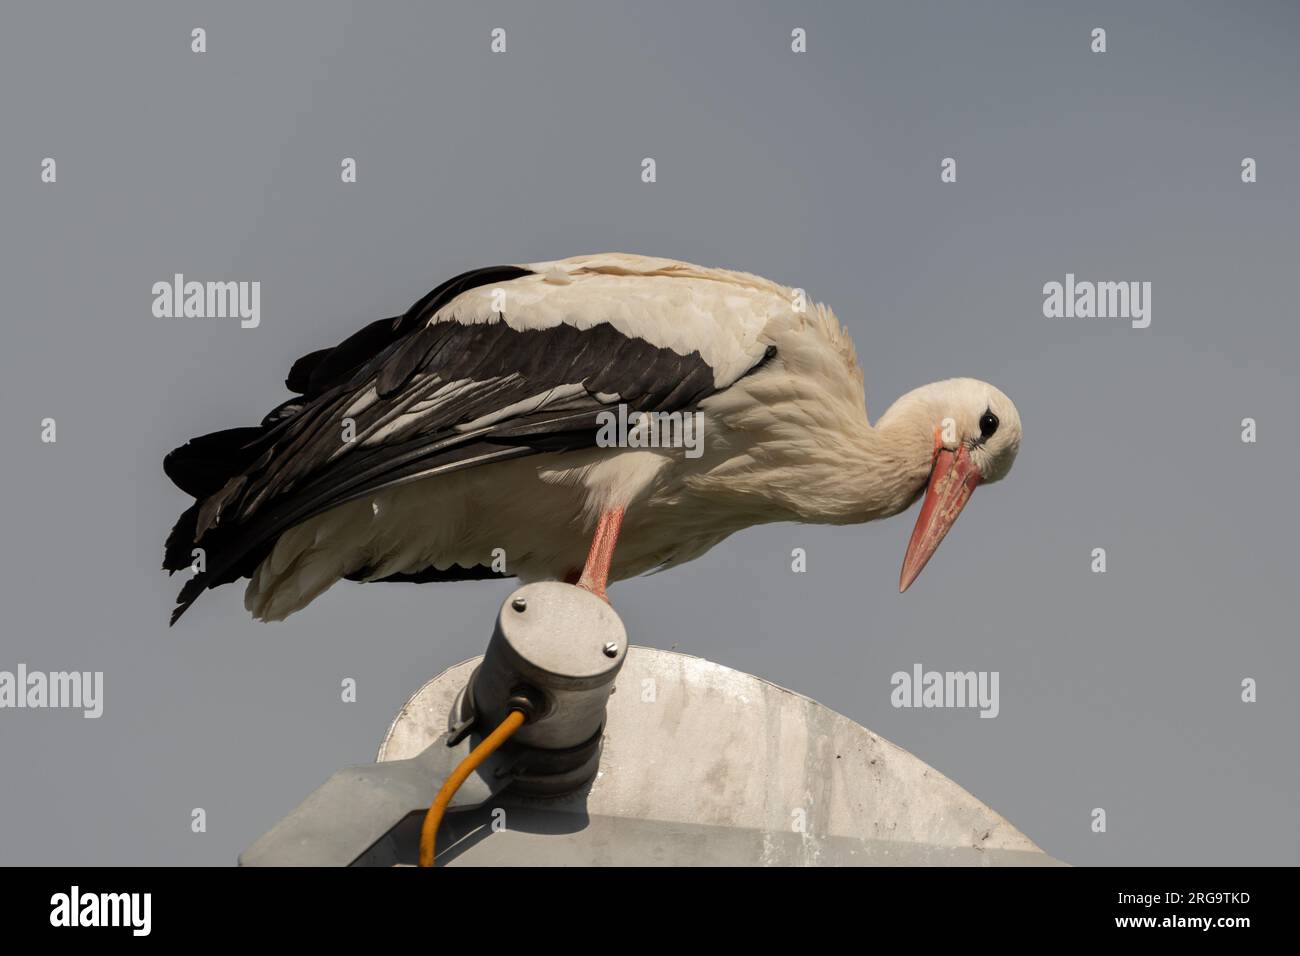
(952,480)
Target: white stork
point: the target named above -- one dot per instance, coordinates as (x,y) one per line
(425,445)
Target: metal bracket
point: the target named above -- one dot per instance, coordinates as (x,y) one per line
(358,806)
(555,653)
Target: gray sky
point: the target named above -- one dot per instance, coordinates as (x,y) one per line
(1119,690)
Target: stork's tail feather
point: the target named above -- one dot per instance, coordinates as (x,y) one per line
(213,550)
(202,465)
(201,468)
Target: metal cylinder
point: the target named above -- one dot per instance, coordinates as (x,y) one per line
(561,647)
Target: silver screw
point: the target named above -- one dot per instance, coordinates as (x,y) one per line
(519,604)
(611,649)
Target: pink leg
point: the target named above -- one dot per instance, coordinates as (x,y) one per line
(596,574)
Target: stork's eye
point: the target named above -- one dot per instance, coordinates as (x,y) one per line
(988,424)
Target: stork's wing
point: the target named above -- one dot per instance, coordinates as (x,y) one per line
(405,399)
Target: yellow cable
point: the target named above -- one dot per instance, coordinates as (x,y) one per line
(433,819)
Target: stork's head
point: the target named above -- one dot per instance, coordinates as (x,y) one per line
(974,434)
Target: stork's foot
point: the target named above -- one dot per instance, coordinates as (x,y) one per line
(600,594)
(574,577)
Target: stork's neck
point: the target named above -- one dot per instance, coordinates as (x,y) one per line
(816,458)
(879,471)
(899,456)
(834,469)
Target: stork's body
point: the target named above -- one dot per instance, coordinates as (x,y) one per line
(474,433)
